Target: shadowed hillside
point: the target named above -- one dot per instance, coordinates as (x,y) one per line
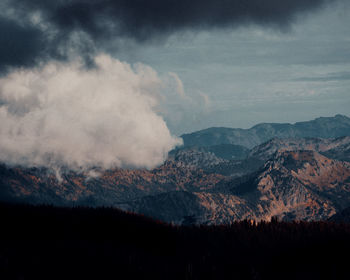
(83,243)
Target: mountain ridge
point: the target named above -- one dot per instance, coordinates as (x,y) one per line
(324,127)
(301,185)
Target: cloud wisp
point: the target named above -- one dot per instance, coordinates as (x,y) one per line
(330,77)
(63,115)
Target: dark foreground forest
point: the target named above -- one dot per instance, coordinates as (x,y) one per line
(84,243)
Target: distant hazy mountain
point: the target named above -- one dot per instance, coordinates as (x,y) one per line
(336,148)
(321,127)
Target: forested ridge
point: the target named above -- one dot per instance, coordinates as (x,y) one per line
(45,242)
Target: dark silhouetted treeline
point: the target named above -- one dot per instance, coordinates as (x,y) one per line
(84,243)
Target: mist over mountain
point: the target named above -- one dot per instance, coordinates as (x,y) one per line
(63,115)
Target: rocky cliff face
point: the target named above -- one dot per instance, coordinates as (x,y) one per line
(301,185)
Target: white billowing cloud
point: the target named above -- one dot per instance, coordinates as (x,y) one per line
(65,115)
(180,107)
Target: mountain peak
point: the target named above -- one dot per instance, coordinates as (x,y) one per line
(292,160)
(310,168)
(341,116)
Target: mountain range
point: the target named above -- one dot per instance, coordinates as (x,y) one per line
(289,171)
(324,127)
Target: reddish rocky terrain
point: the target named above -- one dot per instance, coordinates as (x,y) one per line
(213,179)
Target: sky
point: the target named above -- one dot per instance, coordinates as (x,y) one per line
(78,76)
(254,74)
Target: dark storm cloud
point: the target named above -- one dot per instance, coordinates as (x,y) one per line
(103,21)
(19,45)
(142,19)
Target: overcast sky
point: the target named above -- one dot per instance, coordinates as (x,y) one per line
(256,74)
(232,63)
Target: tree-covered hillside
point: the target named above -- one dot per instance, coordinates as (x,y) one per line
(84,243)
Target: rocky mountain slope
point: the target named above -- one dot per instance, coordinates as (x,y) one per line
(290,178)
(336,148)
(302,185)
(323,127)
(108,188)
(251,160)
